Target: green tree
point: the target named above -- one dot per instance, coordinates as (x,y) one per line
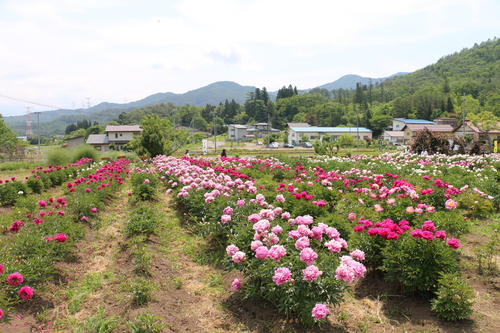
(486,122)
(158,137)
(8,139)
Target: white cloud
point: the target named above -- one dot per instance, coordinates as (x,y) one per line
(60,51)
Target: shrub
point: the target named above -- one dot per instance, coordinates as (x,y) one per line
(35,184)
(454,298)
(85,151)
(58,156)
(11,191)
(416,264)
(144,186)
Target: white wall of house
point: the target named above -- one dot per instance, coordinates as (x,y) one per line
(120,136)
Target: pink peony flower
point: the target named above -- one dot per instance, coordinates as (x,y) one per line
(42,203)
(453,243)
(60,238)
(236,284)
(378,208)
(228,211)
(277,230)
(276,252)
(1,311)
(358,254)
(25,292)
(308,256)
(231,250)
(88,190)
(319,311)
(351,216)
(261,252)
(280,198)
(146,181)
(15,227)
(334,246)
(311,273)
(225,218)
(93,210)
(239,257)
(282,275)
(61,212)
(15,279)
(240,203)
(302,243)
(450,204)
(1,269)
(255,244)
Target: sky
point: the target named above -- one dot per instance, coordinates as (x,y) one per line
(74,54)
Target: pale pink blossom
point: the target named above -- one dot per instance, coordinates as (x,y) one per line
(311,273)
(276,252)
(308,256)
(231,250)
(239,257)
(236,284)
(319,311)
(282,275)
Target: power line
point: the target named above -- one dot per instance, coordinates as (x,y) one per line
(35,103)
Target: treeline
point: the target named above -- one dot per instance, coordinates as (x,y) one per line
(465,81)
(82,124)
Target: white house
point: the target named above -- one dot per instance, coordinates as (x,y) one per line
(394,136)
(119,135)
(236,132)
(297,134)
(399,123)
(99,142)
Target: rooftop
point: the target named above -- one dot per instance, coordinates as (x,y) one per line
(123,128)
(97,139)
(331,129)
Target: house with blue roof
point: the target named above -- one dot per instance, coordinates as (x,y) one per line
(297,134)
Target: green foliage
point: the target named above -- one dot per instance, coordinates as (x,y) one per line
(142,221)
(144,186)
(454,298)
(142,291)
(12,190)
(476,205)
(35,184)
(416,264)
(486,254)
(157,138)
(147,323)
(99,323)
(85,151)
(8,139)
(58,156)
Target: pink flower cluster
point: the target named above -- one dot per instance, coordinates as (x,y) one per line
(386,229)
(350,270)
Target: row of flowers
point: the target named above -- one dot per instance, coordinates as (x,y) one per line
(45,230)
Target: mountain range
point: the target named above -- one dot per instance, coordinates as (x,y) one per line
(213,94)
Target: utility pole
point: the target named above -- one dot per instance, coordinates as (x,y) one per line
(463,118)
(268,130)
(38,121)
(215,133)
(357,127)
